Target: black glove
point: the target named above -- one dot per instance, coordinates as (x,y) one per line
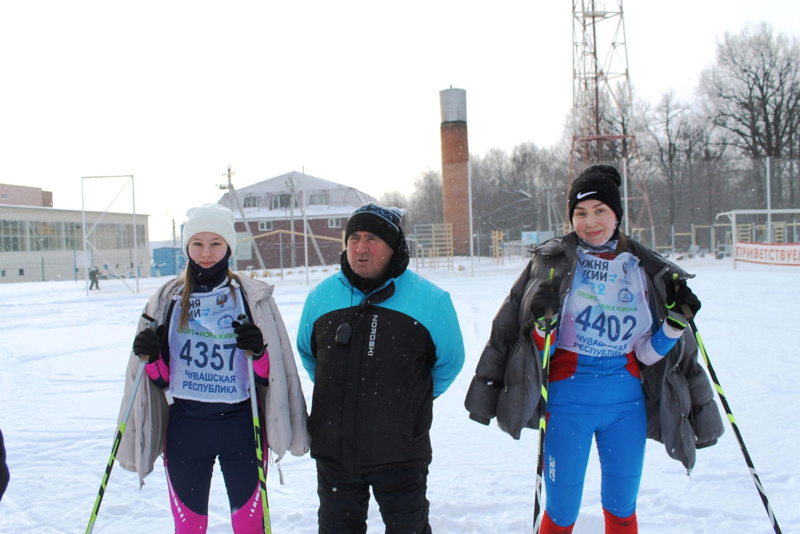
(249,337)
(680,299)
(546,298)
(148,343)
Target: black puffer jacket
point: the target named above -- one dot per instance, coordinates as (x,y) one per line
(681,412)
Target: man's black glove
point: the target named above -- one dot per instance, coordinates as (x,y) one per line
(147,343)
(546,299)
(249,337)
(682,304)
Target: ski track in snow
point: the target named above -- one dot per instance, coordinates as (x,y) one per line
(61,386)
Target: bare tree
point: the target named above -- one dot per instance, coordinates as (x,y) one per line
(753,92)
(426,205)
(668,129)
(711,174)
(394,199)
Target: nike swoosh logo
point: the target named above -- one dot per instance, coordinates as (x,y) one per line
(582,195)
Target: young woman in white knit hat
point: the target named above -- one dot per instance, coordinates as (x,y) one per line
(194,406)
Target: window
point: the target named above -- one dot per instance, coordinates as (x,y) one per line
(251,202)
(264,226)
(13,236)
(117,236)
(5,196)
(22,272)
(45,235)
(73,236)
(3,273)
(318,199)
(30,236)
(335,223)
(281,201)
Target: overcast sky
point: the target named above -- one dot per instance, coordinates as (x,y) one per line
(173,92)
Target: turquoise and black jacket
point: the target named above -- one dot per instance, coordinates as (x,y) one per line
(399,348)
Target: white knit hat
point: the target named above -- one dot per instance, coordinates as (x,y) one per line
(210,218)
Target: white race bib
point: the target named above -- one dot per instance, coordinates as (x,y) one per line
(205,364)
(606,311)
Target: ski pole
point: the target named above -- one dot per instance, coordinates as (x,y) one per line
(687,312)
(120,432)
(724,400)
(537,520)
(262,481)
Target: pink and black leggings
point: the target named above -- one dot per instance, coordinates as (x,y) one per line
(197,434)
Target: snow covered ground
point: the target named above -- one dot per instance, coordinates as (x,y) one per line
(62,379)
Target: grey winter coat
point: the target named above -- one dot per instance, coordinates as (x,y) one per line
(681,411)
(284,402)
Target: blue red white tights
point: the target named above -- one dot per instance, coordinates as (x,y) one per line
(614,525)
(620,438)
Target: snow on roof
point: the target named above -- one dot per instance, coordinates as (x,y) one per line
(341,199)
(302,182)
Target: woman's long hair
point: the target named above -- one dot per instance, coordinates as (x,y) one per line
(623,243)
(188,287)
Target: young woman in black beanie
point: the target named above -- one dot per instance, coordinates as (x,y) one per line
(622,367)
(195,406)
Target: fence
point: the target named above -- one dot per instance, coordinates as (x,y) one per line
(717,239)
(68,265)
(433,243)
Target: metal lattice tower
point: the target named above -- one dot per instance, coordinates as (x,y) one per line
(602,105)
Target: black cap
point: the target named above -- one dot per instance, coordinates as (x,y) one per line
(378,220)
(600,182)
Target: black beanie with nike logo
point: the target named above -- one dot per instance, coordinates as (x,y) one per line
(598,182)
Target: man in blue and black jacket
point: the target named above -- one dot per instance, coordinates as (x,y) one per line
(380,343)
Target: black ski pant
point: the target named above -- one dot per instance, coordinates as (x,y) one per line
(3,467)
(399,491)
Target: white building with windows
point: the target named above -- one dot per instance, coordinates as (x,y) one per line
(40,244)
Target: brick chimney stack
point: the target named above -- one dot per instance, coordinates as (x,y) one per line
(455,166)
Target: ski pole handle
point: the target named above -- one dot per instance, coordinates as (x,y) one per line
(548,312)
(154,327)
(153,323)
(244,320)
(685,309)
